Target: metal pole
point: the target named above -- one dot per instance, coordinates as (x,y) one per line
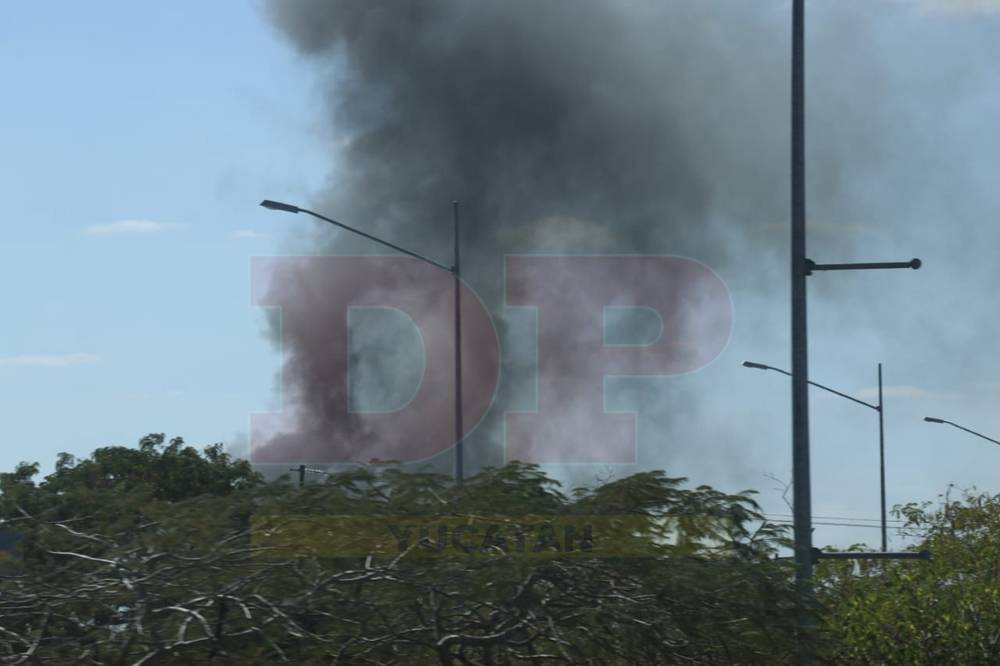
(802,501)
(881,455)
(457,272)
(881,429)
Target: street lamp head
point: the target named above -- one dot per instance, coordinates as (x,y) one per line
(915,264)
(277,205)
(758,366)
(931,419)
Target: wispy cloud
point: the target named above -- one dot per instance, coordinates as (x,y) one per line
(822,228)
(47,360)
(900,391)
(127,227)
(960,6)
(248,233)
(985,385)
(562,234)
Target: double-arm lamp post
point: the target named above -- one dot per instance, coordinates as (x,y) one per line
(801,267)
(881,430)
(454,269)
(931,419)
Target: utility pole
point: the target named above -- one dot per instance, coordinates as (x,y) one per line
(455,270)
(805,554)
(881,456)
(881,430)
(459,428)
(801,491)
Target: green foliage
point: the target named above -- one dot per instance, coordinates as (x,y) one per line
(146,556)
(172,471)
(116,487)
(945,611)
(153,470)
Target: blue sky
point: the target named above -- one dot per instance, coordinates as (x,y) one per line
(136,140)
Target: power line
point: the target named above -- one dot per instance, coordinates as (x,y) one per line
(788,521)
(826,524)
(851,518)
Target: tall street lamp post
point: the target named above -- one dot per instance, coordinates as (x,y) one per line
(456,274)
(881,429)
(801,267)
(801,490)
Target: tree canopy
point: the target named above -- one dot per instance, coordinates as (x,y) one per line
(165,554)
(150,555)
(945,611)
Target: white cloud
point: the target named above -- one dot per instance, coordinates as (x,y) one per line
(822,228)
(901,391)
(989,386)
(960,6)
(126,227)
(47,360)
(561,234)
(248,233)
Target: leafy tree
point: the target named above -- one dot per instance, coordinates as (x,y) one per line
(945,611)
(171,472)
(104,490)
(153,471)
(132,563)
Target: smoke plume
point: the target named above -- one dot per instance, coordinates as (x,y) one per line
(606,126)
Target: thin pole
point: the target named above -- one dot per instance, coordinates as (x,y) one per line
(457,272)
(881,455)
(801,494)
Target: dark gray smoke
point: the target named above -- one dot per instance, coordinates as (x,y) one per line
(589,126)
(522,111)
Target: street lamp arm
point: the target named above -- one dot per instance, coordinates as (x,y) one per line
(761,366)
(930,419)
(813,266)
(378,240)
(844,395)
(275,205)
